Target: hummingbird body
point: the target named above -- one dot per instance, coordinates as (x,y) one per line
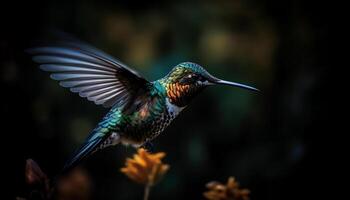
(140,110)
(146,118)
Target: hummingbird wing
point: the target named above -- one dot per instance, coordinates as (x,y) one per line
(90,72)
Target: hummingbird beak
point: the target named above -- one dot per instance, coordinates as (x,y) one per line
(222,82)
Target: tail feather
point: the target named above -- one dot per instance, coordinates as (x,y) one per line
(83,152)
(95,139)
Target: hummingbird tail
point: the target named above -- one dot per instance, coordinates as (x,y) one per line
(98,139)
(85,150)
(102,136)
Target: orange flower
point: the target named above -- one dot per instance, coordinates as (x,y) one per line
(145,168)
(230,191)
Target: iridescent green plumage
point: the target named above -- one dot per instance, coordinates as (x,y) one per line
(140,109)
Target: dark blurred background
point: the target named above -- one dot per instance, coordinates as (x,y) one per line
(268,141)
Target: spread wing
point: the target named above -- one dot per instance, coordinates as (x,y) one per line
(90,72)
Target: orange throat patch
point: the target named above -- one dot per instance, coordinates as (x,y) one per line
(176,91)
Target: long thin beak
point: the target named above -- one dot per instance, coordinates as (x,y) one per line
(222,82)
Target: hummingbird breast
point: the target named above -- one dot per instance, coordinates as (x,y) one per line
(148,120)
(164,120)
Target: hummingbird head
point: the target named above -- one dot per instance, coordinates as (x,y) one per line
(188,79)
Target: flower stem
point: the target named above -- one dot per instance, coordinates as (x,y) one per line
(147,190)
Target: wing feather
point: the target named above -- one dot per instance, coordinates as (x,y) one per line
(78,69)
(92,87)
(76,83)
(90,72)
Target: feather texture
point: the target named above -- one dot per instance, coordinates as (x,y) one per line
(90,72)
(97,138)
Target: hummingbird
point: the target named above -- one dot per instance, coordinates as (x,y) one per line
(139,109)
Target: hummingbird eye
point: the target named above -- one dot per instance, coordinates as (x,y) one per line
(197,77)
(190,76)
